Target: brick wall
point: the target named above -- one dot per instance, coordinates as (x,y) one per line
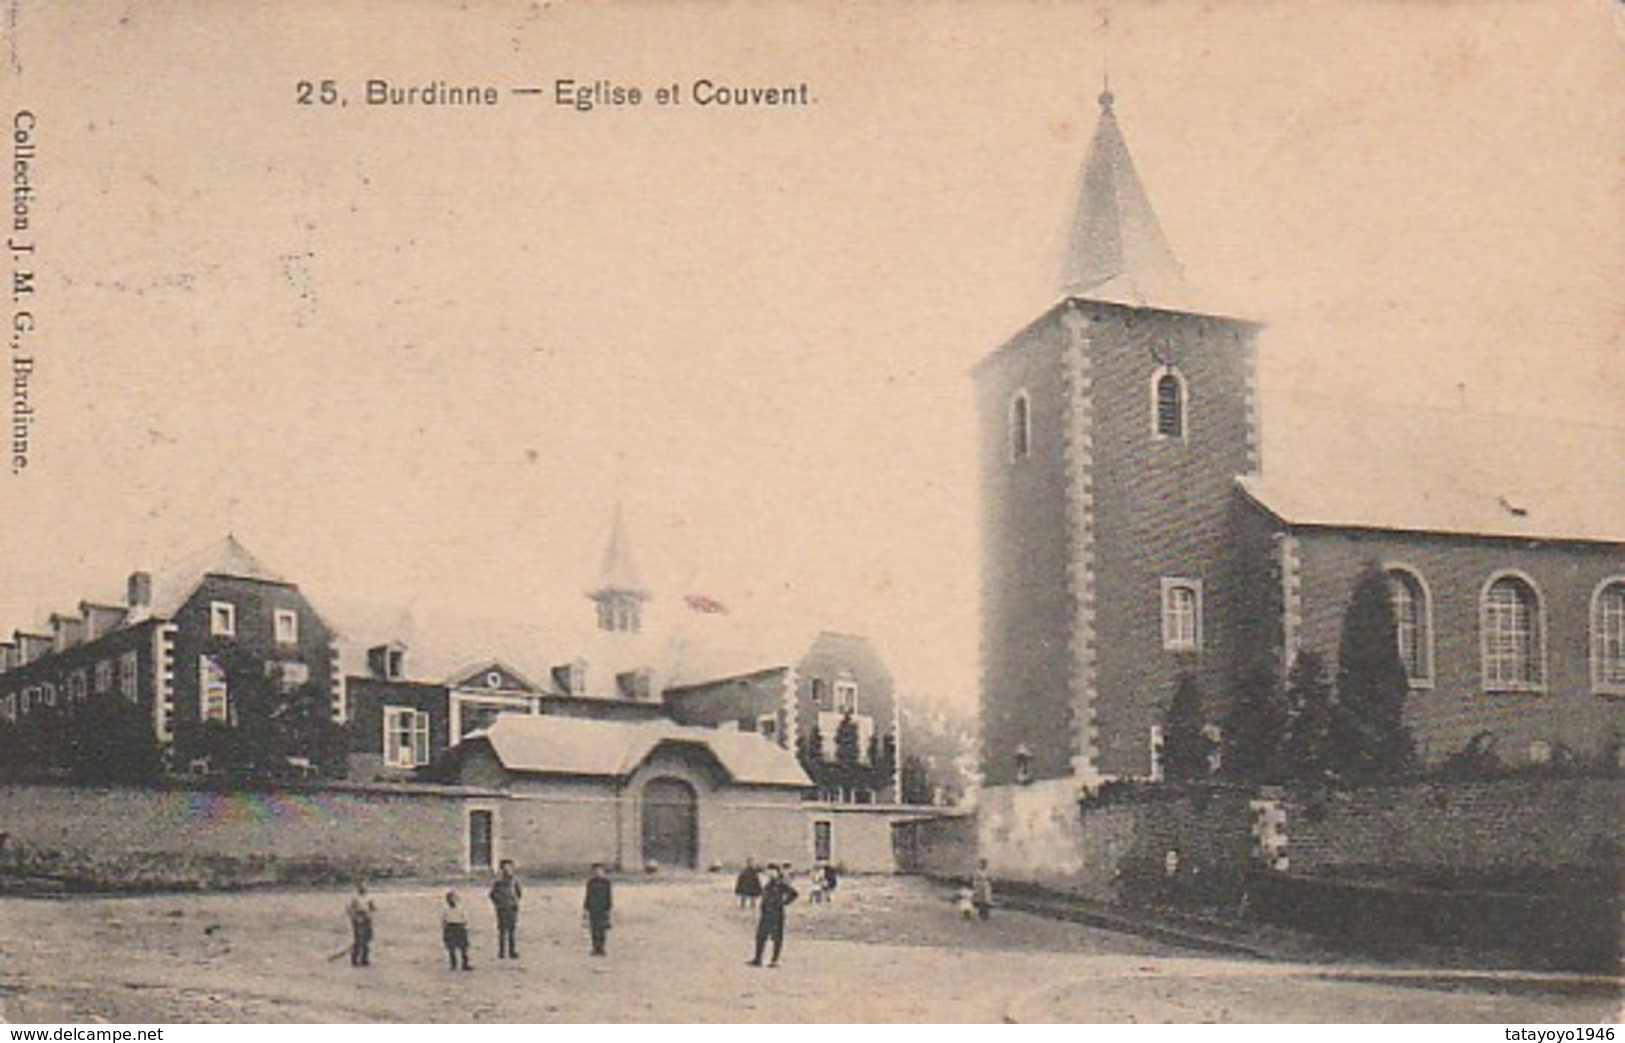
(1500,826)
(1445,715)
(1027,613)
(1162,509)
(386,831)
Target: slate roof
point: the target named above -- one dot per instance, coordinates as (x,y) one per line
(549,745)
(1117,252)
(1413,469)
(176,582)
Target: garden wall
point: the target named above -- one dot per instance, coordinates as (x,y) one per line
(181,837)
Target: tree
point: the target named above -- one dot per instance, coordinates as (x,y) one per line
(1369,740)
(112,743)
(1254,727)
(270,726)
(848,744)
(1306,753)
(917,787)
(1185,745)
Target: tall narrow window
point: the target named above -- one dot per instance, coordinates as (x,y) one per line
(214,696)
(287,626)
(1168,404)
(128,682)
(1513,650)
(1411,632)
(1021,426)
(1181,615)
(1608,638)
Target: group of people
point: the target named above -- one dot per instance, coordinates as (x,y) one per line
(505,894)
(822,879)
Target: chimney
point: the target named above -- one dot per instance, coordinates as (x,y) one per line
(140,590)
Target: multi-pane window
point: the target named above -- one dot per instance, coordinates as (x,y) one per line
(127,683)
(1021,426)
(288,675)
(104,676)
(1181,615)
(286,622)
(406,737)
(1409,600)
(846,697)
(78,682)
(1512,639)
(48,693)
(1170,405)
(214,694)
(222,619)
(1608,639)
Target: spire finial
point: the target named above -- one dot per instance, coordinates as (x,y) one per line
(1106,95)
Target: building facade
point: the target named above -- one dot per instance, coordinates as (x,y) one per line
(195,650)
(1133,538)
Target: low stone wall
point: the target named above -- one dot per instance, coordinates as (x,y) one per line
(180,837)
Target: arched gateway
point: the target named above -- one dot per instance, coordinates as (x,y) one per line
(670,815)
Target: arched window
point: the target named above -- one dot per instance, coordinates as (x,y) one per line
(1608,638)
(1168,404)
(1412,617)
(1181,615)
(1021,426)
(1514,650)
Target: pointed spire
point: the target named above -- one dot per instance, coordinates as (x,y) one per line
(1117,251)
(618,573)
(620,593)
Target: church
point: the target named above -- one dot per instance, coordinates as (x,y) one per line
(1133,535)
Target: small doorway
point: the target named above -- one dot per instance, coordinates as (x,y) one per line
(481,839)
(670,823)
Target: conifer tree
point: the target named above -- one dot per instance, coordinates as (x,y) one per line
(1369,740)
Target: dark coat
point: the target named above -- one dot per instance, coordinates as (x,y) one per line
(775,896)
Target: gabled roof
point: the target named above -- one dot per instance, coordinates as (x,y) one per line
(549,745)
(1117,252)
(1412,469)
(476,675)
(173,585)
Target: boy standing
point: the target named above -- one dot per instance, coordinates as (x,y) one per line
(360,912)
(454,931)
(505,895)
(596,907)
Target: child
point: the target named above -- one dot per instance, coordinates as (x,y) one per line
(360,912)
(815,885)
(964,905)
(596,908)
(454,931)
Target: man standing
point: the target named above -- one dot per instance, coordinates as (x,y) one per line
(505,895)
(595,908)
(776,895)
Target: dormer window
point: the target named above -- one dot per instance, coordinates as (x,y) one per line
(1168,403)
(1021,427)
(222,619)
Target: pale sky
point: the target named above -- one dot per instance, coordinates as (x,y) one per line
(417,355)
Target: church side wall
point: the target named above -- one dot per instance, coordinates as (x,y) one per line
(1445,716)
